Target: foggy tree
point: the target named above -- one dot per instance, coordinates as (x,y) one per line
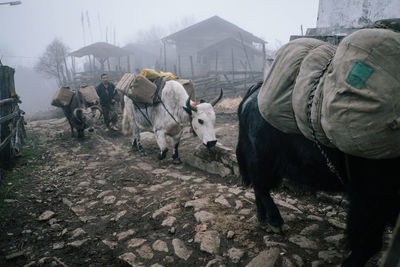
(53,62)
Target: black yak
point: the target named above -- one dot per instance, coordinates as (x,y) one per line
(266,155)
(78,116)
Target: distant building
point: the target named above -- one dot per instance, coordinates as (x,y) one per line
(214,45)
(338,18)
(143,57)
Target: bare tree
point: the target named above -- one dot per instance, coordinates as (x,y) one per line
(53,62)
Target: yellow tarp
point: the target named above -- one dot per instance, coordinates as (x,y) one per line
(152,74)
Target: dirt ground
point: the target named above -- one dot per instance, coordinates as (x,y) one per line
(93,202)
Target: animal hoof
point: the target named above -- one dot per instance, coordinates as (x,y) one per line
(162,154)
(177,161)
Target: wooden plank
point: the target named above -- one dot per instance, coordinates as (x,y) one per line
(6,142)
(7,101)
(9,117)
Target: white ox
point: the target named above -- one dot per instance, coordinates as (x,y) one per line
(169,119)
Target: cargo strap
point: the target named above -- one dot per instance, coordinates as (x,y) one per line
(311,95)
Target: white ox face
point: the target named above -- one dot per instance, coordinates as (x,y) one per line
(203,120)
(203,123)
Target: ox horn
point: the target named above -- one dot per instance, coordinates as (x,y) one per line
(78,114)
(189,106)
(97,107)
(216,100)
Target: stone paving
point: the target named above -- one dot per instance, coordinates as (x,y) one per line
(95,203)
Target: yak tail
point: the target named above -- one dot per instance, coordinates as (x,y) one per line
(126,126)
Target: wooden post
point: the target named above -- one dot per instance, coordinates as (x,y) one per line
(247,56)
(129,63)
(165,56)
(179,66)
(191,66)
(108,64)
(216,62)
(264,59)
(233,67)
(7,90)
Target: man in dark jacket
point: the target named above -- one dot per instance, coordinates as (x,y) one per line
(108,95)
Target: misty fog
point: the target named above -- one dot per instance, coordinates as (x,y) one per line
(27,29)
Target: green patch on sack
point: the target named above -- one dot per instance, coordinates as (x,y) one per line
(359,74)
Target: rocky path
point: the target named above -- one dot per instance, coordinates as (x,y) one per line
(95,203)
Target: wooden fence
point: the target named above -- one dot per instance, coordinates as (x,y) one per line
(12,124)
(234,84)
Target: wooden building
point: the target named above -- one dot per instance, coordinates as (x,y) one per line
(215,44)
(102,58)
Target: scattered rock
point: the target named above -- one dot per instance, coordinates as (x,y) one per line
(238,204)
(130,189)
(287,263)
(46,215)
(245,211)
(67,202)
(102,194)
(209,241)
(110,244)
(144,166)
(169,221)
(316,263)
(287,205)
(315,218)
(125,234)
(128,258)
(230,234)
(83,184)
(203,216)
(221,200)
(235,254)
(160,245)
(78,243)
(172,230)
(58,245)
(120,214)
(337,224)
(145,252)
(180,249)
(164,209)
(77,232)
(298,260)
(328,255)
(198,203)
(335,239)
(266,258)
(250,195)
(303,242)
(135,242)
(15,255)
(109,199)
(309,229)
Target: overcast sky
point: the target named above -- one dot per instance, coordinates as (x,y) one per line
(26,29)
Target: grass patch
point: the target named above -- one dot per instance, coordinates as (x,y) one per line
(22,167)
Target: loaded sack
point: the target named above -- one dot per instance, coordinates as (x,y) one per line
(89,94)
(145,91)
(62,97)
(348,98)
(138,88)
